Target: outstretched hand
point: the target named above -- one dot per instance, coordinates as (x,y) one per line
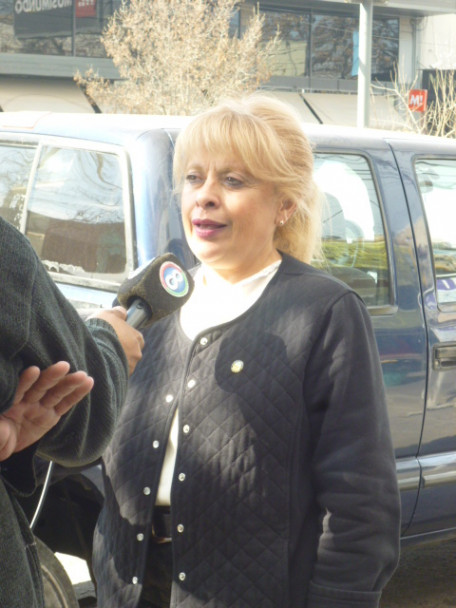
(42,397)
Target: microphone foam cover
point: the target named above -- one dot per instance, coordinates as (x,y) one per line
(163,284)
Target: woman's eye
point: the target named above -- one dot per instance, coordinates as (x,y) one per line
(234,182)
(191,178)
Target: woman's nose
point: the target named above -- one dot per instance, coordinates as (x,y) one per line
(207,195)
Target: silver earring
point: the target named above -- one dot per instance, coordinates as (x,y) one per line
(281,222)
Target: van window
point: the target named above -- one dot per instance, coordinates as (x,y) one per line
(353,237)
(15,165)
(75,217)
(437,183)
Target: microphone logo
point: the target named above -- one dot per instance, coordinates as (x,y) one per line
(174,279)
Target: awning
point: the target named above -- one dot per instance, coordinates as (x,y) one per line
(339,108)
(295,100)
(48,94)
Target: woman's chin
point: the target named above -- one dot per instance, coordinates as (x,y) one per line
(207,253)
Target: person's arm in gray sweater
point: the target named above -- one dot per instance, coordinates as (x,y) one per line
(40,327)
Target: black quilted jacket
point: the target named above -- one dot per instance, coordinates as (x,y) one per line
(284,493)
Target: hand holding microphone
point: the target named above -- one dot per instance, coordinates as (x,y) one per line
(131,339)
(150,293)
(155,290)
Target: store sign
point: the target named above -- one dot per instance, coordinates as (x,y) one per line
(86,8)
(417,100)
(46,18)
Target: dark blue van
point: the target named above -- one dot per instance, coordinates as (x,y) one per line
(93,193)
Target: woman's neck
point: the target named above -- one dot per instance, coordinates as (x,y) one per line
(237,275)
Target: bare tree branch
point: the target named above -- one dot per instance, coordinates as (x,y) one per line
(440,115)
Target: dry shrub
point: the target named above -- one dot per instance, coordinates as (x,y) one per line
(178,57)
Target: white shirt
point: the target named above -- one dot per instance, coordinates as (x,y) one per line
(214,301)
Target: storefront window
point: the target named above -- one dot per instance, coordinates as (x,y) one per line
(292,57)
(385,49)
(62,27)
(313,44)
(332,46)
(325,45)
(335,44)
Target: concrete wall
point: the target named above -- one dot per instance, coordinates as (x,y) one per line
(438,43)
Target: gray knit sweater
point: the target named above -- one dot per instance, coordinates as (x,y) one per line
(40,327)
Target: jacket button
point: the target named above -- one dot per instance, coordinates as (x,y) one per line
(237,366)
(191,383)
(181,477)
(134,580)
(180,528)
(140,537)
(146,491)
(169,398)
(155,444)
(204,341)
(182,576)
(186,429)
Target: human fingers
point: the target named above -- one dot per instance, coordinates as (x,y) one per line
(7,439)
(26,380)
(64,387)
(45,381)
(132,342)
(110,314)
(131,339)
(70,391)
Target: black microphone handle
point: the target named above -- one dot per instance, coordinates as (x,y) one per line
(138,313)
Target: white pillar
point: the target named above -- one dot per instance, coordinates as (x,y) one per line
(366,11)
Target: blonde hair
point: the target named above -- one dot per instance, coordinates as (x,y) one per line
(267,137)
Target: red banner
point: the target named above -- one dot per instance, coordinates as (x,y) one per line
(86,8)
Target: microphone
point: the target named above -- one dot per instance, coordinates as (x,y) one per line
(155,290)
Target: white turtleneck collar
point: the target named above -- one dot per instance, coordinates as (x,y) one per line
(215,301)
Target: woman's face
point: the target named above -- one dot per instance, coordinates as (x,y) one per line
(229,217)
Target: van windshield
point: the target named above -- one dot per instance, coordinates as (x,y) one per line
(75,215)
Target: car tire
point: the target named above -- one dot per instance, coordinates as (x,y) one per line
(58,589)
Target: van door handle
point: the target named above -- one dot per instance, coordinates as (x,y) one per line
(444,356)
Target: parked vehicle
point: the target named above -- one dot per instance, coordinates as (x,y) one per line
(94,195)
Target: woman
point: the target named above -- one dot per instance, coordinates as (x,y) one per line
(257,414)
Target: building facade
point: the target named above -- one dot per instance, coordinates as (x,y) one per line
(44,42)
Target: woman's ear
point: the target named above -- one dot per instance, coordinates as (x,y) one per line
(285,211)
